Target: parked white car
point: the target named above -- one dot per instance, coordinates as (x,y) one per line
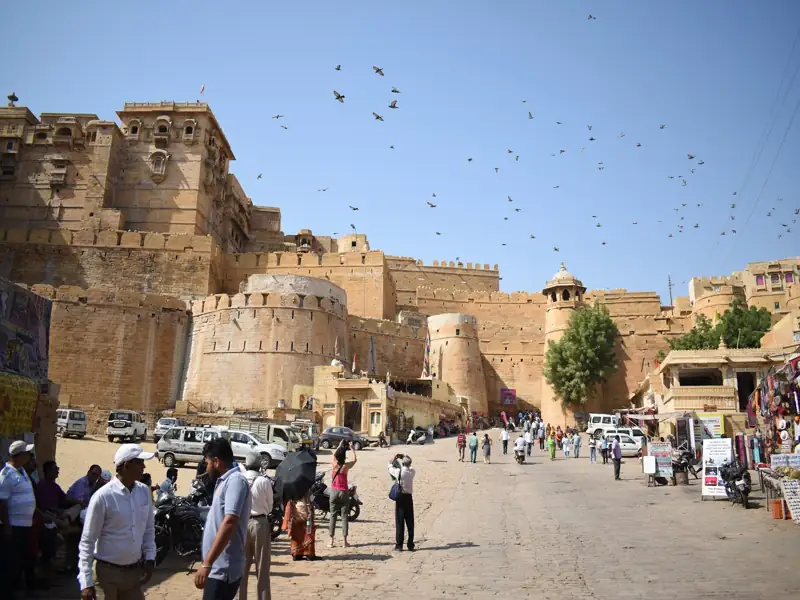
(630,447)
(126,425)
(164,424)
(71,422)
(243,442)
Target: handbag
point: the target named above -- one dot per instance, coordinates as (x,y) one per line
(397,487)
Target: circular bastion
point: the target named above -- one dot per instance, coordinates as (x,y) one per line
(249,350)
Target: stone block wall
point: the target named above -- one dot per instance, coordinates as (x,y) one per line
(399,349)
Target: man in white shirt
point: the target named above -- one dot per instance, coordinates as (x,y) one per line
(400,470)
(528,441)
(504,437)
(17,505)
(519,444)
(118,533)
(258,543)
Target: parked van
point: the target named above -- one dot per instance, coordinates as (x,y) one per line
(126,425)
(600,422)
(271,433)
(184,443)
(71,422)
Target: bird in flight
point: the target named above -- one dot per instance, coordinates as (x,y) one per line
(701,162)
(353,208)
(377,116)
(661,126)
(621,134)
(555,249)
(353,227)
(393,104)
(437,233)
(638,145)
(518,210)
(338,96)
(323,190)
(395,90)
(697,225)
(683,182)
(378,71)
(670,176)
(592,18)
(431,204)
(735,193)
(433,195)
(391,147)
(277,117)
(509,198)
(505,219)
(511,152)
(670,235)
(561,151)
(530,116)
(690,156)
(591,139)
(497,169)
(603,243)
(635,223)
(555,187)
(259,176)
(797,211)
(558,122)
(284,127)
(590,127)
(733,231)
(469,160)
(733,206)
(338,68)
(598,225)
(533,237)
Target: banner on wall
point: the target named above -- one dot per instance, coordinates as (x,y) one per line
(24,326)
(18,398)
(714,424)
(508,396)
(715,453)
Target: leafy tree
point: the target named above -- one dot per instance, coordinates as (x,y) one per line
(742,327)
(703,336)
(583,357)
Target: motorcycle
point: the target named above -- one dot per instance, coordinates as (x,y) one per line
(382,441)
(686,461)
(321,499)
(737,481)
(178,526)
(519,456)
(416,436)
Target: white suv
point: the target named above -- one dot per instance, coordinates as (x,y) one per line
(126,425)
(243,442)
(163,425)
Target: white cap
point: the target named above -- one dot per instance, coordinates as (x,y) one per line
(19,447)
(128,452)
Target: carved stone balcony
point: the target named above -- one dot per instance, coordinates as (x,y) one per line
(697,397)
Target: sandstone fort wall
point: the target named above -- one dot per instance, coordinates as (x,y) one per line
(247,351)
(115,349)
(399,349)
(152,263)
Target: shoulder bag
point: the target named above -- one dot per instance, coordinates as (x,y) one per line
(397,487)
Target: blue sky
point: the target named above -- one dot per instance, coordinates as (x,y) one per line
(710,71)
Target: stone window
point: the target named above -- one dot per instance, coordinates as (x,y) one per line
(158,165)
(458,332)
(759,280)
(565,295)
(163,129)
(775,278)
(777,305)
(553,297)
(789,278)
(42,135)
(65,131)
(134,127)
(9,146)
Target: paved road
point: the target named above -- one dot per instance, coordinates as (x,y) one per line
(561,529)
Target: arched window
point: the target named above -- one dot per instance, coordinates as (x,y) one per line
(65,131)
(162,129)
(135,130)
(565,295)
(41,135)
(158,164)
(189,130)
(553,297)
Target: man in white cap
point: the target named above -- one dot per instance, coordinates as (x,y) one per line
(118,533)
(17,505)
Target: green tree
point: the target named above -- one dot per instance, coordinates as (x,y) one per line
(742,327)
(583,357)
(703,336)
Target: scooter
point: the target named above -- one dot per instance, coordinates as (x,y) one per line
(416,436)
(519,456)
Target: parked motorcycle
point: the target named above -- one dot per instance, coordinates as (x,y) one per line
(686,461)
(382,441)
(416,436)
(737,481)
(178,526)
(321,499)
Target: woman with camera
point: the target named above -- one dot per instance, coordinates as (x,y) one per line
(340,490)
(401,471)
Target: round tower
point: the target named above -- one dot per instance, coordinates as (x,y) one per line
(456,357)
(248,351)
(564,293)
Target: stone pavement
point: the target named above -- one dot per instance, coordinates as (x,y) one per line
(562,529)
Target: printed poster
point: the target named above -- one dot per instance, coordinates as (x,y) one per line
(508,396)
(715,453)
(18,399)
(714,424)
(662,451)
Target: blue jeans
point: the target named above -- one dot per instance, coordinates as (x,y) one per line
(592,455)
(473,454)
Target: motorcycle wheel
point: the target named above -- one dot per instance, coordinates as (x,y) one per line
(355,511)
(162,548)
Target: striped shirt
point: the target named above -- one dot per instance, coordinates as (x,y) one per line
(17,491)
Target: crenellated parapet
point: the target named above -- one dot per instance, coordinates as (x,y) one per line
(444,264)
(106,297)
(266,260)
(464,295)
(110,239)
(257,300)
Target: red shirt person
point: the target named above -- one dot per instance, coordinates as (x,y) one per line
(461,444)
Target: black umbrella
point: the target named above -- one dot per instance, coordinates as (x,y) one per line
(295,475)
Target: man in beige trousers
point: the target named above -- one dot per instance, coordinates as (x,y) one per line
(258,545)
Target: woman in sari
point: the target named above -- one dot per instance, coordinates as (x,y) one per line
(551,447)
(298,521)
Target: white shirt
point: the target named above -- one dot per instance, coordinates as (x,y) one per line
(505,435)
(260,493)
(118,528)
(16,489)
(528,437)
(406,475)
(519,444)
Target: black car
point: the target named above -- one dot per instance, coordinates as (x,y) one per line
(331,437)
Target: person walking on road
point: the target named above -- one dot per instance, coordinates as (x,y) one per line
(541,435)
(119,532)
(401,471)
(505,436)
(528,441)
(340,491)
(576,444)
(604,450)
(225,531)
(461,444)
(616,451)
(565,446)
(551,446)
(473,447)
(487,449)
(592,450)
(258,543)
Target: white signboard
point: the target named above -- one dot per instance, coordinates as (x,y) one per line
(715,453)
(791,493)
